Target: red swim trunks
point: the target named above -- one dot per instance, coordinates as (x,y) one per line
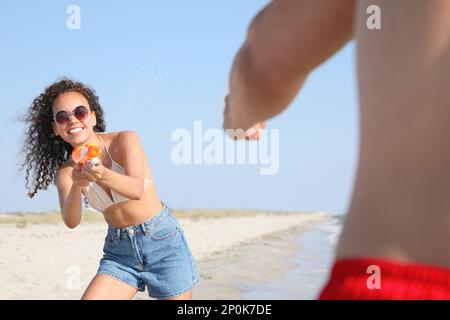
(373,278)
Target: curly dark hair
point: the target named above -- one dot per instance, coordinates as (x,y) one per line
(44,151)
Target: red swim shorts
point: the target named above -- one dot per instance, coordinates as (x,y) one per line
(374,278)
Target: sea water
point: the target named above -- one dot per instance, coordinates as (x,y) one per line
(311,266)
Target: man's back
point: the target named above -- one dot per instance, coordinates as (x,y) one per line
(401,203)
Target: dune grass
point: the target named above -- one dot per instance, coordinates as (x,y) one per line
(23,219)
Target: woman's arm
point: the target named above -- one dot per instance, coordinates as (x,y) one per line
(285,42)
(69,196)
(130,184)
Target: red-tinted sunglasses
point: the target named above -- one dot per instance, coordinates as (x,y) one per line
(80,112)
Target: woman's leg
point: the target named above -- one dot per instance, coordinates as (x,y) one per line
(105,287)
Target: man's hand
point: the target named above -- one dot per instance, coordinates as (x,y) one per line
(231,120)
(254,133)
(232,125)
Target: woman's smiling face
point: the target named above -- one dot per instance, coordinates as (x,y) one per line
(75,131)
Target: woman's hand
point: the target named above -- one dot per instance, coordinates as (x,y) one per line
(87,174)
(93,172)
(79,179)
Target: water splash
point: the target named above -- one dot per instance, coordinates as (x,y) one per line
(149,77)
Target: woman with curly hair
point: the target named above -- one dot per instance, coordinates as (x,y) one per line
(144,245)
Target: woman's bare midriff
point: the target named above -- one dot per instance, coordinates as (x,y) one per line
(132,212)
(400,207)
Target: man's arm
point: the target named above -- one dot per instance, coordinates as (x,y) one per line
(285,41)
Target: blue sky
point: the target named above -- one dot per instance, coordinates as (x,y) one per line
(159,66)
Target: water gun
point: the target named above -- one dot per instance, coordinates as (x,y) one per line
(86,154)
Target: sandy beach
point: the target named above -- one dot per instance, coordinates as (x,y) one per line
(47,260)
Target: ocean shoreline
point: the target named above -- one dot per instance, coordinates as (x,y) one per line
(250,263)
(311,266)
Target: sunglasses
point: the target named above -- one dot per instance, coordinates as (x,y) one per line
(80,112)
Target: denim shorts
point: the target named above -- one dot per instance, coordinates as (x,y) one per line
(153,254)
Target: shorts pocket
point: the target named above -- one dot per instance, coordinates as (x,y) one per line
(165,228)
(110,240)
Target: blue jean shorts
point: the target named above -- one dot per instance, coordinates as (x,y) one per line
(153,254)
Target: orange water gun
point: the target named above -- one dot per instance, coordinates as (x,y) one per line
(86,154)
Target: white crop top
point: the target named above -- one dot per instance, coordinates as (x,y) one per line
(99,198)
